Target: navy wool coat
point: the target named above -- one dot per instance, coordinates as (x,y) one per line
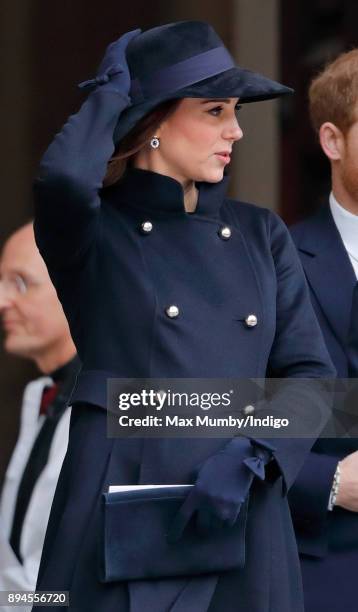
(328,541)
(115,283)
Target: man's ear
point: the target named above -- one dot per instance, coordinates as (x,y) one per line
(332,140)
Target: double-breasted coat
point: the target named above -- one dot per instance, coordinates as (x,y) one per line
(116,280)
(327,541)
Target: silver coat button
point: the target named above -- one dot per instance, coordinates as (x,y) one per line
(172,311)
(225,232)
(146,227)
(251,320)
(249,409)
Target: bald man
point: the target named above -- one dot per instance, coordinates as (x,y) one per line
(35,328)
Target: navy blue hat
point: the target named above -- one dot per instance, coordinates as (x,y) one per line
(186,59)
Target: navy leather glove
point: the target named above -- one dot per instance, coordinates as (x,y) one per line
(222,485)
(113,73)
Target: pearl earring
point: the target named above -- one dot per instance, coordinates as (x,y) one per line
(155,142)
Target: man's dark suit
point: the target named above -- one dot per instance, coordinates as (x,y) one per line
(327,541)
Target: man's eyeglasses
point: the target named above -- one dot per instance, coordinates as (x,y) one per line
(13,286)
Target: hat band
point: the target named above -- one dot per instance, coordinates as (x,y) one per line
(182,74)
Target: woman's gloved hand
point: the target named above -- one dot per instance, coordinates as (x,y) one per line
(222,485)
(113,73)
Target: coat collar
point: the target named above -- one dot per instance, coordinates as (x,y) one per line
(162,194)
(328,268)
(69,370)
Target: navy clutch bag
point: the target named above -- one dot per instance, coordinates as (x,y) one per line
(134,543)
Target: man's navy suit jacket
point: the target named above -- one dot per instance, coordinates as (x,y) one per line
(331,279)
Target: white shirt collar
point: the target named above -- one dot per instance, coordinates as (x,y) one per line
(347,225)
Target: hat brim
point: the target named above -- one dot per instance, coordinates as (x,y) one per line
(236,82)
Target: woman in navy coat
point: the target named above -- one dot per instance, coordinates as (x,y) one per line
(160,275)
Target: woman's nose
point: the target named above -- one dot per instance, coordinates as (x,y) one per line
(233,131)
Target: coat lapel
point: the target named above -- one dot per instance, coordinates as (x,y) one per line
(328,269)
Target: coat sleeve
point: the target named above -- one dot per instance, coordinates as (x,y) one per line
(298,349)
(308,500)
(298,358)
(67,202)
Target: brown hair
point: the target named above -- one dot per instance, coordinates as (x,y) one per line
(136,139)
(333,94)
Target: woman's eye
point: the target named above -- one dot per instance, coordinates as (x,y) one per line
(215,111)
(238,108)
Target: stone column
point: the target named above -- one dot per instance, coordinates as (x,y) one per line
(254,41)
(15,64)
(16,169)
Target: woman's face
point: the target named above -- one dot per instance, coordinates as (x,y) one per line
(196,140)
